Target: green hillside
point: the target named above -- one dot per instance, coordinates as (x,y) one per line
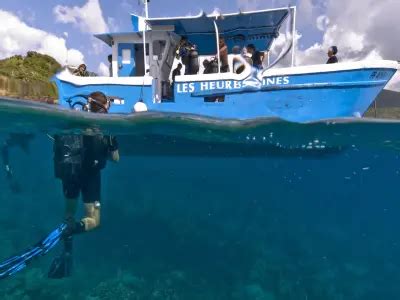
(28,77)
(33,67)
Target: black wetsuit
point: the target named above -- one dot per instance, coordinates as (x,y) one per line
(256,58)
(332,60)
(176,72)
(78,161)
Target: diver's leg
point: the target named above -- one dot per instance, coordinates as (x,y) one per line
(91,198)
(71,189)
(71,206)
(92,216)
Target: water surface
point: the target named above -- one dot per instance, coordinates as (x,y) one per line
(204,209)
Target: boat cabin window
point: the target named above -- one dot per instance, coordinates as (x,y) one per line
(126,56)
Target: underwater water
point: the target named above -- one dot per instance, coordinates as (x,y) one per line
(203,209)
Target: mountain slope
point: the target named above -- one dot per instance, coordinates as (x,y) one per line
(29,76)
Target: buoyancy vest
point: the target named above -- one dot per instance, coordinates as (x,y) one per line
(77,154)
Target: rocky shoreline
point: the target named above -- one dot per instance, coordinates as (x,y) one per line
(36,90)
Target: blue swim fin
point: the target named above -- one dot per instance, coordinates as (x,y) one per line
(16,263)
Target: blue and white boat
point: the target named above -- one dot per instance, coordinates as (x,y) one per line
(140,79)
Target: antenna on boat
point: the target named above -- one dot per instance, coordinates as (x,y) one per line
(217,16)
(146,8)
(146,12)
(294,35)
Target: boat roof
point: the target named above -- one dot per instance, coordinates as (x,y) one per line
(254,27)
(108,37)
(239,29)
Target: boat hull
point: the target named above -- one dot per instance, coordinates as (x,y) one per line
(302,94)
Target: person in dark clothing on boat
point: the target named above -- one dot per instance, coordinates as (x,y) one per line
(256,56)
(110,70)
(332,55)
(22,141)
(81,71)
(223,55)
(78,161)
(176,72)
(206,66)
(184,49)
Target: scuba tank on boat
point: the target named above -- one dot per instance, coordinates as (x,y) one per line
(214,66)
(194,65)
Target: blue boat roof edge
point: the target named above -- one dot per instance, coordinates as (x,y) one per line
(202,13)
(265,37)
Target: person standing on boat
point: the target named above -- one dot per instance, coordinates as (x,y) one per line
(332,55)
(223,55)
(78,161)
(110,65)
(81,71)
(184,53)
(176,72)
(256,56)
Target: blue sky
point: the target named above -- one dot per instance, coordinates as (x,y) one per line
(362,29)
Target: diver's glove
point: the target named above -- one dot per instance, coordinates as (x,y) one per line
(113,144)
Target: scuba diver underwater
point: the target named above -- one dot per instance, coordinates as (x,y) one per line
(78,161)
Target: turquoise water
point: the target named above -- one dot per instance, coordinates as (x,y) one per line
(200,209)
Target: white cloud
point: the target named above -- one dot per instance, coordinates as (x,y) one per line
(18,38)
(322,22)
(88,18)
(112,24)
(97,46)
(103,70)
(75,57)
(359,33)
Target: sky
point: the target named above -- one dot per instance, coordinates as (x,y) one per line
(64,29)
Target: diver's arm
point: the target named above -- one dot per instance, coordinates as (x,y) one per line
(114,156)
(113,150)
